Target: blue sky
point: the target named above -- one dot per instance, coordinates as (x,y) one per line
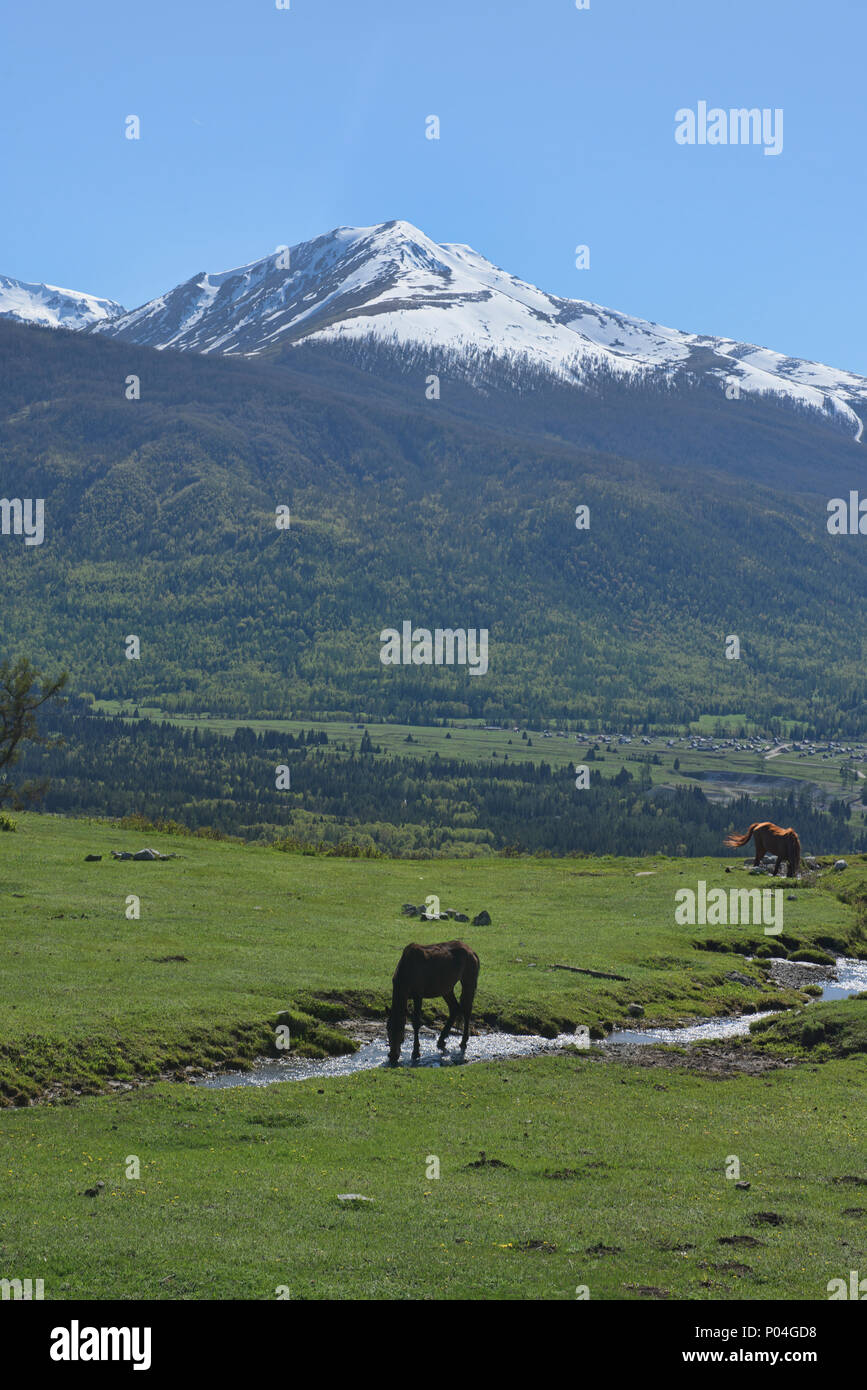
(262,127)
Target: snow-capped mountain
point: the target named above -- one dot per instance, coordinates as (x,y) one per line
(393,283)
(390,284)
(51,307)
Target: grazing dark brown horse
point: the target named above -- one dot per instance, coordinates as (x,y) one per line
(422,973)
(772,839)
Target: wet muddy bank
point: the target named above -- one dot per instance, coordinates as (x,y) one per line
(725,1059)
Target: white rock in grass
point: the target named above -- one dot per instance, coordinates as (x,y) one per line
(352,1197)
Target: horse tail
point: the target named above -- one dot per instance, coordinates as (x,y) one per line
(472,968)
(469,981)
(469,971)
(734,840)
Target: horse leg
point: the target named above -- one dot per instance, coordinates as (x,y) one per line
(396,1025)
(416,1024)
(468,994)
(777,865)
(453,1013)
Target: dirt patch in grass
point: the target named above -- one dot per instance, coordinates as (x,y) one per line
(720,1060)
(484,1162)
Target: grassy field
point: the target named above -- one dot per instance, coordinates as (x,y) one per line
(615,1173)
(615,1180)
(229,935)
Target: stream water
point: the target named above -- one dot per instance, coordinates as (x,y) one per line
(851,978)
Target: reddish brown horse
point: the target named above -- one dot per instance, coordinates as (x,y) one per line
(772,839)
(422,973)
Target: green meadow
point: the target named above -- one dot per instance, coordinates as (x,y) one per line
(597,1172)
(614,1178)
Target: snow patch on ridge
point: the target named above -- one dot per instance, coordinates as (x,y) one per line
(50,306)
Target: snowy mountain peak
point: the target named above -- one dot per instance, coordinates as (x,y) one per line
(391,284)
(49,306)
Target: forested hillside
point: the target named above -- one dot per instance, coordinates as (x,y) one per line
(160,522)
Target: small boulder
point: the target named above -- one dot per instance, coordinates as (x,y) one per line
(92,858)
(141,854)
(738,978)
(636,1011)
(461,917)
(482,919)
(409,910)
(841,864)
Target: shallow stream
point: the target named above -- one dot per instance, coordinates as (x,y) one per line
(851,978)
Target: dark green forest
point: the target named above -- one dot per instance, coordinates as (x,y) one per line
(211,782)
